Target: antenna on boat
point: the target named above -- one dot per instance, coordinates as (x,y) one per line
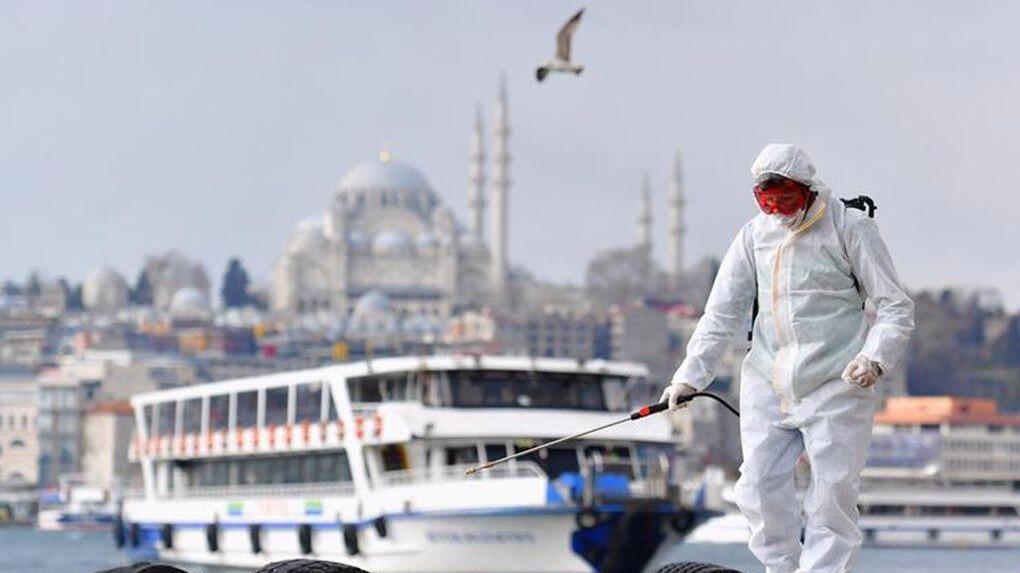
(635,415)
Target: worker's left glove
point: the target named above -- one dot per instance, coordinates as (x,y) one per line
(673,394)
(862,371)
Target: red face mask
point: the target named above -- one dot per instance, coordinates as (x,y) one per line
(781,196)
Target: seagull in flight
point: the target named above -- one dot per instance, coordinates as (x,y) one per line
(561,63)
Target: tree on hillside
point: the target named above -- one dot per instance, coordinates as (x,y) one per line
(234,291)
(142,293)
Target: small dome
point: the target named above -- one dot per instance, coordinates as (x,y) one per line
(391,242)
(372,303)
(373,315)
(378,174)
(307,237)
(426,240)
(189,302)
(105,290)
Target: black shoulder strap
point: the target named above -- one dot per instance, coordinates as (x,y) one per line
(862,202)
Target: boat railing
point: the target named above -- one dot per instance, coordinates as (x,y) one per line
(266,490)
(624,479)
(455,473)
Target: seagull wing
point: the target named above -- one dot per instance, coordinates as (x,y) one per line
(566,34)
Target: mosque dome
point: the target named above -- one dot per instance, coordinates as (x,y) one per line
(373,314)
(372,303)
(105,290)
(383,174)
(308,237)
(189,302)
(391,242)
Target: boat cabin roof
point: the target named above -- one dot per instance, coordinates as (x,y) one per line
(393,365)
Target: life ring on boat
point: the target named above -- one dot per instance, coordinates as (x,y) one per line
(166,535)
(359,427)
(255,538)
(689,567)
(271,436)
(351,539)
(304,532)
(212,537)
(288,435)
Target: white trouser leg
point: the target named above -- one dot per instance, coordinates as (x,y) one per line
(765,491)
(837,430)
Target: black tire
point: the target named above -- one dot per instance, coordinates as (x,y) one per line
(308,566)
(694,568)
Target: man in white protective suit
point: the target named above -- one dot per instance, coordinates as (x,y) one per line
(806,263)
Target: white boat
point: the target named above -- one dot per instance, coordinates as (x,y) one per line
(365,463)
(924,515)
(80,506)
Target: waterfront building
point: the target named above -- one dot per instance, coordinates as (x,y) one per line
(945,440)
(19,447)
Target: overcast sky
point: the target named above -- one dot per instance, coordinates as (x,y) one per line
(128,128)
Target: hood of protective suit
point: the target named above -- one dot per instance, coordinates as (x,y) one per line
(785,160)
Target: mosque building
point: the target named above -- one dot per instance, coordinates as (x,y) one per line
(389,250)
(389,256)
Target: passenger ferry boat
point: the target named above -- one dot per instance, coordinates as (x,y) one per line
(365,463)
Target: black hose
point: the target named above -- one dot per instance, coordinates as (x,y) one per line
(715,397)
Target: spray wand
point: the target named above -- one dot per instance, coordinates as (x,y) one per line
(643,412)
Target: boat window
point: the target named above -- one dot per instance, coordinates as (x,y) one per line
(501,389)
(331,413)
(494,452)
(364,389)
(394,458)
(615,391)
(329,467)
(556,461)
(308,403)
(191,420)
(166,418)
(394,388)
(461,455)
(147,420)
(276,406)
(247,409)
(219,412)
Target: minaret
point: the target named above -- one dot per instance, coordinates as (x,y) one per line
(645,214)
(500,188)
(645,227)
(676,225)
(476,178)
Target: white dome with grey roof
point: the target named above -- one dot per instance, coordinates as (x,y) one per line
(383,174)
(189,303)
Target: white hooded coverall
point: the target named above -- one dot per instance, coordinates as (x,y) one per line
(809,326)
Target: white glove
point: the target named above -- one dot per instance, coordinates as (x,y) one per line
(674,392)
(862,371)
